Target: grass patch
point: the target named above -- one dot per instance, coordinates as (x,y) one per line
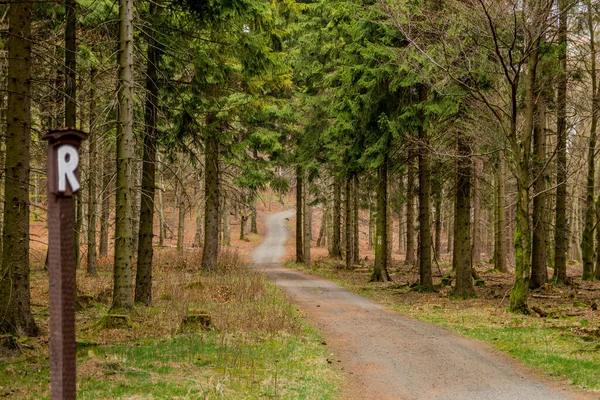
(257,347)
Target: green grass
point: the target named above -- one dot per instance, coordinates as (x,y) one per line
(209,365)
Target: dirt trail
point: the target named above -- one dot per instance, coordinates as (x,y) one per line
(388,356)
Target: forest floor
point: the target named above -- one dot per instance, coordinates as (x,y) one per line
(561,339)
(244,339)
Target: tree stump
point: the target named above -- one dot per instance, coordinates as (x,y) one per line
(196,320)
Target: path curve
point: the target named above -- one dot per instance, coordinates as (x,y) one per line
(385,355)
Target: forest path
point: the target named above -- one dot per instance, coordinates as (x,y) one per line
(385,355)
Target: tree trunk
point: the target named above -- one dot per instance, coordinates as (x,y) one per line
(70,104)
(14,285)
(210,252)
(380,271)
(438,222)
(92,181)
(587,245)
(499,232)
(560,236)
(355,222)
(336,251)
(307,228)
(349,230)
(476,238)
(299,212)
(539,257)
(143,279)
(162,221)
(461,255)
(401,204)
(425,274)
(372,227)
(123,261)
(253,222)
(410,212)
(181,214)
(105,206)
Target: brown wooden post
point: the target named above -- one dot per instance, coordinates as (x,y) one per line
(63,182)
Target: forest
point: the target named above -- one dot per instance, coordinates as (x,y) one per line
(452,139)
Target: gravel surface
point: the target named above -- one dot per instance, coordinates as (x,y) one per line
(385,355)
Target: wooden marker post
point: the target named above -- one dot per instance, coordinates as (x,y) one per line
(63,182)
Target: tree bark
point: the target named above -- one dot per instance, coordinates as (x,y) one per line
(587,245)
(425,274)
(105,207)
(92,181)
(410,212)
(560,236)
(476,238)
(499,232)
(299,212)
(123,260)
(307,228)
(355,222)
(401,204)
(143,279)
(181,214)
(322,239)
(210,251)
(16,313)
(438,222)
(461,255)
(162,221)
(349,230)
(253,222)
(380,271)
(336,251)
(539,256)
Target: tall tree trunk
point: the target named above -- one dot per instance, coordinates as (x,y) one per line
(461,255)
(299,213)
(14,285)
(336,226)
(253,222)
(438,222)
(401,204)
(143,278)
(539,256)
(476,238)
(355,222)
(425,274)
(162,220)
(372,226)
(410,212)
(587,245)
(105,206)
(70,99)
(380,271)
(349,231)
(210,251)
(307,228)
(499,232)
(181,214)
(123,261)
(560,236)
(92,181)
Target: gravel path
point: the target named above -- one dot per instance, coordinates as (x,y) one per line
(385,355)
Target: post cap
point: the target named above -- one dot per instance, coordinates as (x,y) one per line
(55,135)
